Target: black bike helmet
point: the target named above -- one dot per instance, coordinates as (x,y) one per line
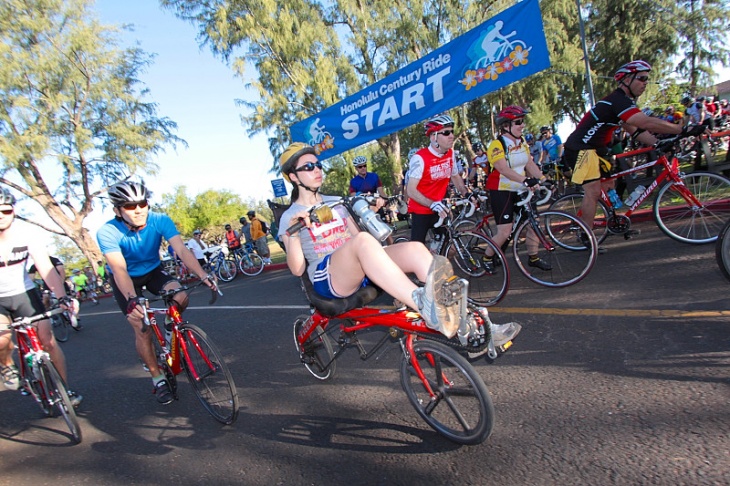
(127,192)
(6,197)
(478,146)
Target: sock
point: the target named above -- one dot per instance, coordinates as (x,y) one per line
(158,379)
(534,258)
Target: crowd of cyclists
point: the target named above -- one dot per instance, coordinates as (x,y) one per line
(336,255)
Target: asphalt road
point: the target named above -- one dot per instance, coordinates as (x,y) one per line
(621,379)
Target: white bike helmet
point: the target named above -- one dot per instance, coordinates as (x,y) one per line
(359,160)
(127,192)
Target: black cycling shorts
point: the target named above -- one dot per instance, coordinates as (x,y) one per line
(503,205)
(154,282)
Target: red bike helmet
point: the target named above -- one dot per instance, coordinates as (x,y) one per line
(632,67)
(437,123)
(511,113)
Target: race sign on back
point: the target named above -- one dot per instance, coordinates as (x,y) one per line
(502,50)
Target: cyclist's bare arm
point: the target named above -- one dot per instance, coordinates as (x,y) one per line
(650,124)
(47,271)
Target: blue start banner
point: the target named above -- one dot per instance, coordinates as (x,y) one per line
(502,50)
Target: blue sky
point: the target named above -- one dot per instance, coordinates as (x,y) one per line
(197,91)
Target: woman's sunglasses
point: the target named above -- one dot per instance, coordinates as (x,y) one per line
(309,167)
(133,206)
(519,121)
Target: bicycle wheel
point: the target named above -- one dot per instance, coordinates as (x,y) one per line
(251,264)
(208,374)
(226,270)
(467,252)
(722,250)
(571,204)
(60,327)
(676,217)
(57,397)
(459,406)
(557,239)
(316,354)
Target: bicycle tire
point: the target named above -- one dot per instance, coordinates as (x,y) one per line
(681,222)
(722,250)
(467,251)
(57,398)
(209,375)
(60,328)
(571,203)
(559,244)
(462,409)
(316,355)
(250,264)
(226,270)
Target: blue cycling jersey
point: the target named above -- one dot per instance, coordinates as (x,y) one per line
(141,249)
(551,147)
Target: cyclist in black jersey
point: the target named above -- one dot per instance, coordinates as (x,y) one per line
(587,148)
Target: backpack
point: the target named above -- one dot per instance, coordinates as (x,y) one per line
(264,226)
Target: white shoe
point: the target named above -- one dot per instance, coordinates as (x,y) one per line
(504,333)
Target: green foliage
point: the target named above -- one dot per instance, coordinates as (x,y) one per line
(73,116)
(209,211)
(307,55)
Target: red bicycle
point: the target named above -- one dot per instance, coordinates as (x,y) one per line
(180,346)
(435,372)
(38,375)
(691,208)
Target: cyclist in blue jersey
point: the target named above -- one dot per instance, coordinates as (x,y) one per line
(364,181)
(131,242)
(552,145)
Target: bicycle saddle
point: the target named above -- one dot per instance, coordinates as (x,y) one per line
(334,307)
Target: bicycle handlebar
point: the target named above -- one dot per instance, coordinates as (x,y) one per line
(26,321)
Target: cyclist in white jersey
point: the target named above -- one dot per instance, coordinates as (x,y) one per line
(19,296)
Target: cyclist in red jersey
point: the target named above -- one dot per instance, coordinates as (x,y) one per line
(429,173)
(587,148)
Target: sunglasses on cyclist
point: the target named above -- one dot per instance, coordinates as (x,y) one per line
(133,206)
(519,121)
(309,167)
(446,133)
(643,79)
(7,212)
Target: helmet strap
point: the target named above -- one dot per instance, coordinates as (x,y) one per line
(128,224)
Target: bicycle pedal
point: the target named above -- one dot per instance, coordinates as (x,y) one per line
(631,233)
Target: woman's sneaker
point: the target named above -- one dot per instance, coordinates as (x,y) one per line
(442,318)
(10,377)
(75,398)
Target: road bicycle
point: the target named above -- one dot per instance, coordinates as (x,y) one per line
(561,240)
(247,262)
(223,268)
(722,250)
(467,251)
(691,208)
(38,375)
(180,346)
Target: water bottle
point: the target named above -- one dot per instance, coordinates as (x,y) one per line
(436,243)
(635,195)
(615,200)
(29,362)
(168,330)
(370,219)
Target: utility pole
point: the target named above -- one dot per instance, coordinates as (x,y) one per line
(589,82)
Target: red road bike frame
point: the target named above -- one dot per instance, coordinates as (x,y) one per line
(177,345)
(670,173)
